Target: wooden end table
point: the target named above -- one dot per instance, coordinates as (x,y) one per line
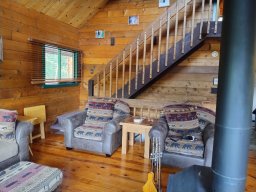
(129,126)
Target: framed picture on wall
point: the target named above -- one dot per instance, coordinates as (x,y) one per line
(164,3)
(133,20)
(99,34)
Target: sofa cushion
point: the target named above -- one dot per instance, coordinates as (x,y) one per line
(88,132)
(27,176)
(181,116)
(8,150)
(121,108)
(99,112)
(177,144)
(7,125)
(205,116)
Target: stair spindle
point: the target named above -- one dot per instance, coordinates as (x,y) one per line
(159,45)
(116,75)
(170,17)
(98,80)
(130,70)
(209,16)
(184,27)
(202,20)
(110,80)
(167,39)
(144,57)
(123,74)
(151,51)
(137,64)
(217,16)
(104,82)
(193,23)
(176,30)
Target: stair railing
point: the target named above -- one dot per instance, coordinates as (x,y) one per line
(136,52)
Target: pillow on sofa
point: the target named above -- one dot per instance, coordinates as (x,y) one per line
(121,108)
(181,116)
(205,116)
(7,124)
(99,112)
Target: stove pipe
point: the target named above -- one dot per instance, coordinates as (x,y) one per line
(235,95)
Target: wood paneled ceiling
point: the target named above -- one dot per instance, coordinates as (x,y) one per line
(72,12)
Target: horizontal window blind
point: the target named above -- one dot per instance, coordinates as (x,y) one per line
(54,64)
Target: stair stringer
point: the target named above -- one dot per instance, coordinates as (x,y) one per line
(188,50)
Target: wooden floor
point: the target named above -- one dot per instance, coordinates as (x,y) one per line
(95,173)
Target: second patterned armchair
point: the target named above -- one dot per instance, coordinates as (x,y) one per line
(186,135)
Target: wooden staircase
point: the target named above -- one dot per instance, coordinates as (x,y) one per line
(164,44)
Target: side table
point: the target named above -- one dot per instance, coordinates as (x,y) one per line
(129,126)
(37,112)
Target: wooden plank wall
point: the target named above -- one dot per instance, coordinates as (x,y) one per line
(191,80)
(17,24)
(113,18)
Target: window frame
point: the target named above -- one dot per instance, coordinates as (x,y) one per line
(75,67)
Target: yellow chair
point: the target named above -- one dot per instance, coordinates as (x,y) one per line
(39,115)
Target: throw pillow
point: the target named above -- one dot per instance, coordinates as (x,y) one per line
(99,112)
(205,116)
(181,116)
(121,108)
(7,124)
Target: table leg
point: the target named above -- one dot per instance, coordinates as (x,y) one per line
(30,138)
(42,130)
(124,140)
(30,151)
(146,146)
(131,138)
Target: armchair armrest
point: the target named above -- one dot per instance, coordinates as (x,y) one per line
(208,139)
(23,129)
(111,127)
(70,124)
(112,135)
(159,130)
(114,125)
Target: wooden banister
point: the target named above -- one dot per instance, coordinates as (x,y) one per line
(156,27)
(133,58)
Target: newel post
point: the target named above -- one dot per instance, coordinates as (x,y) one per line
(91,87)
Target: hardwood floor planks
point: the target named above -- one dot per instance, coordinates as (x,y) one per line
(84,171)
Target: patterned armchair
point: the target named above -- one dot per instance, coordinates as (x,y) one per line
(186,135)
(97,128)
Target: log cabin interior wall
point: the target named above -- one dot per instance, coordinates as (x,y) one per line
(17,23)
(190,80)
(113,19)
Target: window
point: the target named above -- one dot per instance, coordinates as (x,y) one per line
(55,66)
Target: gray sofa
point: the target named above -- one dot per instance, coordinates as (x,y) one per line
(160,130)
(13,152)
